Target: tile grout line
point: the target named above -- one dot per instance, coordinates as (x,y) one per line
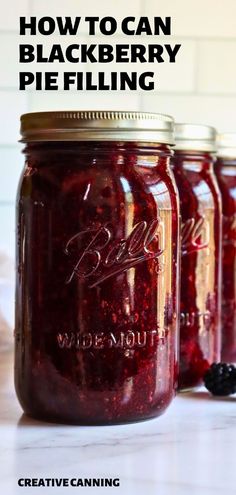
(230,39)
(7,89)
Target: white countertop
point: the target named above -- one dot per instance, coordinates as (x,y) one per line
(191,449)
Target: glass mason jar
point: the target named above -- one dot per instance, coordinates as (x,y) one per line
(97,247)
(200,209)
(225,169)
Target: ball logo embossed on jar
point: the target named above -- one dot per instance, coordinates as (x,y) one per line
(99,256)
(195,235)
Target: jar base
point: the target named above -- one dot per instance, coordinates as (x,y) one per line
(82,422)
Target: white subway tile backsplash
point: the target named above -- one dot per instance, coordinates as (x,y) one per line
(196,18)
(97,100)
(178,76)
(216,111)
(168,76)
(11,12)
(11,164)
(90,8)
(217,67)
(12,104)
(9,60)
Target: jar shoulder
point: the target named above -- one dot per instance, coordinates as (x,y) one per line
(113,179)
(197,188)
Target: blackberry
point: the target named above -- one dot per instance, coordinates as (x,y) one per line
(220,379)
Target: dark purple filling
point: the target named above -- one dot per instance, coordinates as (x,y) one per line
(200,209)
(97,231)
(226,175)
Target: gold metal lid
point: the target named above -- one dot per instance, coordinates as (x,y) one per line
(97,126)
(226,144)
(195,137)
